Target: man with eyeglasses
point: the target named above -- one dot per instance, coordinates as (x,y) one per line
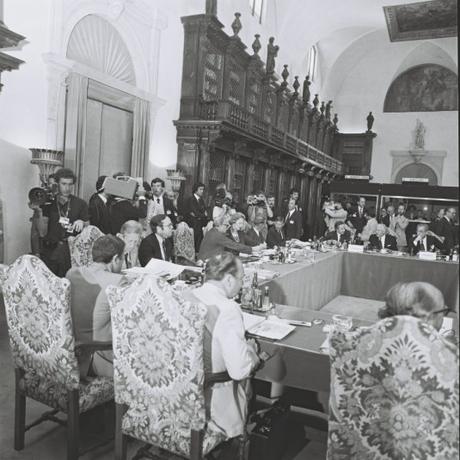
(159,244)
(216,241)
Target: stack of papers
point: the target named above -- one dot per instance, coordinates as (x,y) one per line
(159,267)
(267,328)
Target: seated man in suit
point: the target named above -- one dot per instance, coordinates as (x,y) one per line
(159,244)
(381,239)
(426,240)
(341,234)
(216,241)
(275,235)
(89,305)
(254,235)
(293,221)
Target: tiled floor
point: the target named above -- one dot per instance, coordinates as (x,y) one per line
(48,441)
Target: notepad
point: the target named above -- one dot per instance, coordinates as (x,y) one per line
(273,330)
(251,320)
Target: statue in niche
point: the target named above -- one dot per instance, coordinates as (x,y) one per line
(419,135)
(272,53)
(306,90)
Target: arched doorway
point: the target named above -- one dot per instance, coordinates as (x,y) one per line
(418,170)
(106,127)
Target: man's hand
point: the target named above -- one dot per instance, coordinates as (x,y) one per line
(34,206)
(78,225)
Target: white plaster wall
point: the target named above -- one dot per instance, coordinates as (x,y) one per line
(358,83)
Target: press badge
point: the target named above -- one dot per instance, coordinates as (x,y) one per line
(64,221)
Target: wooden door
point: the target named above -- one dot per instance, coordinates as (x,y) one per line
(108,144)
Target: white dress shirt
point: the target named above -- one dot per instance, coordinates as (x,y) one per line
(231,353)
(162,249)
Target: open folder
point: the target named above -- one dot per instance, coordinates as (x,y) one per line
(267,328)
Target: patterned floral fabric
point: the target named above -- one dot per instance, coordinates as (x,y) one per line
(158,364)
(41,337)
(394,393)
(81,246)
(92,393)
(184,245)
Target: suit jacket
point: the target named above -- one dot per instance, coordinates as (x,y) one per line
(356,220)
(293,225)
(346,237)
(275,238)
(150,249)
(123,210)
(431,242)
(195,212)
(445,228)
(99,213)
(385,220)
(215,242)
(251,238)
(390,242)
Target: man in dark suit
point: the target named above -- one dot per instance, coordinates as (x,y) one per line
(341,234)
(356,215)
(254,236)
(382,240)
(216,241)
(275,236)
(195,213)
(445,229)
(99,208)
(158,245)
(426,240)
(293,221)
(161,203)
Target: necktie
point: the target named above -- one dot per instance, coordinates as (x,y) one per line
(164,250)
(158,200)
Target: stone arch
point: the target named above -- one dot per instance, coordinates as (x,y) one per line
(95,43)
(418,170)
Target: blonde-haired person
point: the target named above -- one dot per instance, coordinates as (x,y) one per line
(419,299)
(131,233)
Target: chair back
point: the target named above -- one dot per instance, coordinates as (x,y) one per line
(37,305)
(81,246)
(184,244)
(158,362)
(394,392)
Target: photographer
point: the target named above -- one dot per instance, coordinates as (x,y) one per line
(65,216)
(259,213)
(122,209)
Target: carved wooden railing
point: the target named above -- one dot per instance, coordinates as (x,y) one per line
(239,117)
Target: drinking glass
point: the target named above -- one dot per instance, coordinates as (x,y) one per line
(342,323)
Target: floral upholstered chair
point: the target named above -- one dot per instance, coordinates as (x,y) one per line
(158,370)
(37,305)
(394,393)
(81,246)
(184,244)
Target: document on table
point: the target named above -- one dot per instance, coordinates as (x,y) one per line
(269,329)
(447,325)
(158,267)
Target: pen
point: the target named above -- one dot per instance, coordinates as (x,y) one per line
(300,323)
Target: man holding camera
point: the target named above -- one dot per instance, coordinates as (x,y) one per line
(65,216)
(259,213)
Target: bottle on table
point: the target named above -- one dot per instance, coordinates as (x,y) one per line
(256,292)
(454,257)
(266,298)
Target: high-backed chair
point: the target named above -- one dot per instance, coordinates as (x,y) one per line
(394,393)
(37,305)
(184,243)
(81,246)
(158,370)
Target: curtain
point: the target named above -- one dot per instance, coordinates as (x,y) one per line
(141,128)
(75,123)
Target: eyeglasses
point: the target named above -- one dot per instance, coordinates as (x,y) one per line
(444,311)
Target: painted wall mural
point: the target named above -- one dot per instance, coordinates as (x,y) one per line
(424,88)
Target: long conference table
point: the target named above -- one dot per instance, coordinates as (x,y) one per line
(301,290)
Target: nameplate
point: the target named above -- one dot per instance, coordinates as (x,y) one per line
(355,248)
(426,255)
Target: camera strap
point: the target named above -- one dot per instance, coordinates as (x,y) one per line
(60,208)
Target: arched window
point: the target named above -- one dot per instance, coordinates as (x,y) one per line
(257,7)
(312,62)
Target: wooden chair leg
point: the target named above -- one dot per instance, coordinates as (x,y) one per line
(120,438)
(196,446)
(19,413)
(73,425)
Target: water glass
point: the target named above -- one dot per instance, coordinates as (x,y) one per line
(342,323)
